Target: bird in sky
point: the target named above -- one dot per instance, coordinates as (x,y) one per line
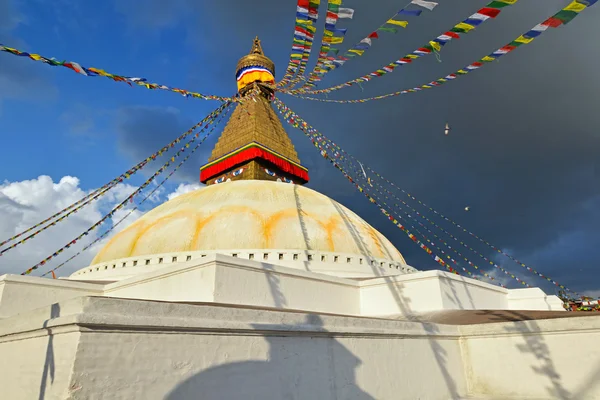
(447,129)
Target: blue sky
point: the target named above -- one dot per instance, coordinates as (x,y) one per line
(521,155)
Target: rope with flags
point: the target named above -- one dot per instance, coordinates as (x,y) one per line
(90,71)
(123,203)
(96,194)
(391,25)
(331,35)
(562,17)
(373,183)
(434,46)
(225,112)
(307,14)
(298,122)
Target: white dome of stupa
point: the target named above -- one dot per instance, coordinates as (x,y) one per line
(280,223)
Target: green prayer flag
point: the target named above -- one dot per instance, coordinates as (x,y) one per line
(515,43)
(386,29)
(565,16)
(497,4)
(458,30)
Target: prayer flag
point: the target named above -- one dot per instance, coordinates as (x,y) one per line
(430,5)
(399,23)
(413,13)
(346,13)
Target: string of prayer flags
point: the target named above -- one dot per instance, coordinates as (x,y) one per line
(148,196)
(526,38)
(117,78)
(299,123)
(433,245)
(373,183)
(344,155)
(332,35)
(124,202)
(340,156)
(376,185)
(434,46)
(75,207)
(307,14)
(358,49)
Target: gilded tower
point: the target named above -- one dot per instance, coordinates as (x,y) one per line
(254,144)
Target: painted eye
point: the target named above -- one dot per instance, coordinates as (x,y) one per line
(220,180)
(269,172)
(286,180)
(238,172)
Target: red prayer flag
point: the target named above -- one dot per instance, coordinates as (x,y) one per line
(490,12)
(477,64)
(452,35)
(373,35)
(406,59)
(424,50)
(303,3)
(552,22)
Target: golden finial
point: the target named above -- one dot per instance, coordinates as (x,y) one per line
(256,47)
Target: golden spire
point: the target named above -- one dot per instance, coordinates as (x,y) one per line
(254,144)
(256,47)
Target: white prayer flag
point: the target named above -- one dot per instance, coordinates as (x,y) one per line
(345,13)
(430,5)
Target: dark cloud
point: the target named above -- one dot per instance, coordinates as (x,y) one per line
(19,80)
(524,146)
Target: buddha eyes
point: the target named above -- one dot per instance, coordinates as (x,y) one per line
(238,172)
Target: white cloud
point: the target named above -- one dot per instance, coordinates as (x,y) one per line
(184,188)
(26,203)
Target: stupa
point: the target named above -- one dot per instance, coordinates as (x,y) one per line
(257,287)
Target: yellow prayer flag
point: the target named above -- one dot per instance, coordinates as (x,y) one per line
(327,33)
(413,56)
(435,45)
(426,87)
(337,2)
(303,22)
(399,23)
(522,39)
(465,27)
(359,52)
(488,58)
(509,1)
(575,6)
(36,57)
(462,71)
(333,39)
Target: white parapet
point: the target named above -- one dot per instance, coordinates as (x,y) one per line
(233,280)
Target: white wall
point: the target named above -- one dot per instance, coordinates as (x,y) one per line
(132,349)
(24,293)
(543,359)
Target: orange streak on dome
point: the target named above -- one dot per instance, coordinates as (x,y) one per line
(190,214)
